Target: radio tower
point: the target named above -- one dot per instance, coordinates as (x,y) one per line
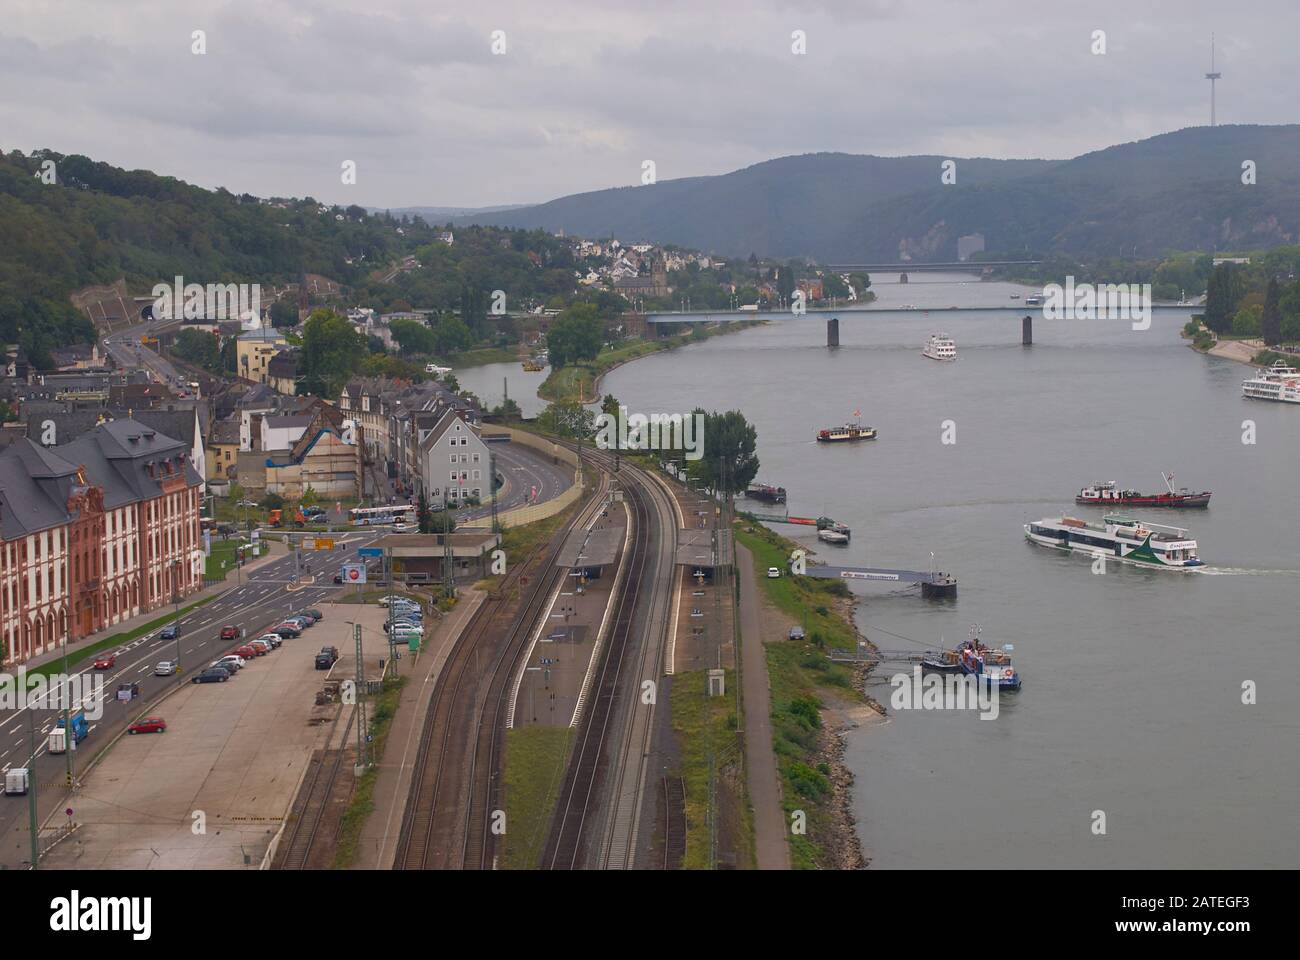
(1212,76)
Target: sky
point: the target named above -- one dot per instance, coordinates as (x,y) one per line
(577,95)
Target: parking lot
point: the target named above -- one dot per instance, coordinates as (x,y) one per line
(212,791)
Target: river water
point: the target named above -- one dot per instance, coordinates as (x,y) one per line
(1132,703)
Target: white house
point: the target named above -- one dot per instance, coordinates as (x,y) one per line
(454,460)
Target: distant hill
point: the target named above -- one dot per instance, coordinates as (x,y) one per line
(436,216)
(97,224)
(1176,191)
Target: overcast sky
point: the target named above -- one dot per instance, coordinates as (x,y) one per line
(412,92)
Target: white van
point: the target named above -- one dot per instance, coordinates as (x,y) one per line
(16,781)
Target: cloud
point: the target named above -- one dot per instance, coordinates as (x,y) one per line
(585,92)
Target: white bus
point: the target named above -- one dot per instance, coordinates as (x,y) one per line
(393,513)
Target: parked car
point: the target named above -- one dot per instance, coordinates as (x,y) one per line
(211,675)
(773,573)
(261,646)
(229,663)
(327,657)
(274,639)
(246,503)
(148,725)
(315,613)
(385,601)
(106,661)
(245,651)
(229,632)
(301,620)
(796,633)
(312,617)
(166,668)
(287,630)
(170,632)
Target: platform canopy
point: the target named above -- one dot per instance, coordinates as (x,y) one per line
(591,548)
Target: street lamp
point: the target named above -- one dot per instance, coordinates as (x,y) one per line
(176,616)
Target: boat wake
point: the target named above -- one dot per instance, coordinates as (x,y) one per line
(1243,572)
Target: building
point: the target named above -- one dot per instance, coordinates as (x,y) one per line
(282,432)
(282,372)
(94,532)
(222,452)
(454,460)
(325,458)
(254,350)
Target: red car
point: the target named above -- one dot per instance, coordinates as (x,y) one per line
(247,652)
(106,662)
(229,633)
(148,725)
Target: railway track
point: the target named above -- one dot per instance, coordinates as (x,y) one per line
(613,744)
(319,787)
(674,805)
(455,788)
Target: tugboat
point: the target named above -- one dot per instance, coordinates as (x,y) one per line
(1107,494)
(761,491)
(848,433)
(972,657)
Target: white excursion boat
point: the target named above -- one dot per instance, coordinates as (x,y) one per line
(1279,382)
(1120,538)
(940,346)
(831,535)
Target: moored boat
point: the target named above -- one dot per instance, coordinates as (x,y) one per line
(762,491)
(1121,538)
(1107,494)
(831,535)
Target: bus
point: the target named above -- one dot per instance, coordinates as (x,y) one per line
(393,513)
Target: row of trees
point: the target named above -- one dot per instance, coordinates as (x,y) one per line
(1243,305)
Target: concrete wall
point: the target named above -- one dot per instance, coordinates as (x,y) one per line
(520,516)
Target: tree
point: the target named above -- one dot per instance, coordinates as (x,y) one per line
(609,405)
(567,419)
(309,497)
(507,410)
(1222,293)
(451,336)
(273,501)
(1271,320)
(442,521)
(422,514)
(284,314)
(413,337)
(729,462)
(576,335)
(331,352)
(199,348)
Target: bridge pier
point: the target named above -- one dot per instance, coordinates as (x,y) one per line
(1027,331)
(833,332)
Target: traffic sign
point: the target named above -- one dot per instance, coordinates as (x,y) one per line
(371,552)
(354,573)
(324,543)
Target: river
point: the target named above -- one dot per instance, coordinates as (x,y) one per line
(1132,703)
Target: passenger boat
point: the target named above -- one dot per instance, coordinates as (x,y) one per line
(1106,494)
(940,346)
(761,491)
(532,366)
(847,433)
(1280,383)
(1123,538)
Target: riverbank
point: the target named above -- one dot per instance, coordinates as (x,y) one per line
(581,382)
(814,703)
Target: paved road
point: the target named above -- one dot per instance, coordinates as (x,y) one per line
(259,602)
(770,845)
(125,347)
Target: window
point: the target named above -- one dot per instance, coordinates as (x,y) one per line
(476,458)
(453,476)
(476,476)
(453,458)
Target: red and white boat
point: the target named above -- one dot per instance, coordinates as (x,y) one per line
(1107,494)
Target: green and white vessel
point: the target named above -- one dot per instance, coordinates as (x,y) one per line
(1119,538)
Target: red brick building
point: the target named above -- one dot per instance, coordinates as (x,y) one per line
(94,532)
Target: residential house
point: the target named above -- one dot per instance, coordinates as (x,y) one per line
(454,460)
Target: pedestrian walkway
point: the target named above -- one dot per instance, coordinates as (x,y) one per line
(377,846)
(770,841)
(134,623)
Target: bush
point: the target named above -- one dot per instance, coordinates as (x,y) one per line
(807,710)
(807,782)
